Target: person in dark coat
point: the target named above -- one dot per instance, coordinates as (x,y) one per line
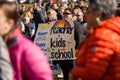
(49,5)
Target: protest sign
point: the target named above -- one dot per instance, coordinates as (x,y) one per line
(61,43)
(42,37)
(56,40)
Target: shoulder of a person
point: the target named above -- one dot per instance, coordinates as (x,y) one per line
(83,25)
(75,22)
(102,33)
(28,45)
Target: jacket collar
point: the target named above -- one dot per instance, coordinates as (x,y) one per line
(13,40)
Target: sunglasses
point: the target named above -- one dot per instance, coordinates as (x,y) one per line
(78,15)
(65,13)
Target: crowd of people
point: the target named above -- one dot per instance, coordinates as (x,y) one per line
(97,38)
(44,12)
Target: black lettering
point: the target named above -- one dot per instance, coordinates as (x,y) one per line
(64,43)
(52,43)
(69,30)
(41,44)
(52,55)
(42,33)
(62,30)
(69,54)
(62,55)
(65,55)
(56,55)
(57,42)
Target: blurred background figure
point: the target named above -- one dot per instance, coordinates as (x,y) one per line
(61,9)
(29,25)
(23,9)
(60,13)
(97,57)
(67,65)
(51,15)
(80,28)
(81,3)
(76,3)
(68,14)
(76,9)
(65,5)
(31,10)
(55,7)
(49,5)
(25,56)
(117,13)
(39,16)
(70,5)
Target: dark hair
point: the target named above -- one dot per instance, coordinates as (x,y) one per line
(70,5)
(71,10)
(77,7)
(117,12)
(28,8)
(118,5)
(83,7)
(42,4)
(107,7)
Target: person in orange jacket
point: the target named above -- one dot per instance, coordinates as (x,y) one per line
(98,57)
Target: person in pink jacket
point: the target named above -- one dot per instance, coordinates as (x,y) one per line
(28,60)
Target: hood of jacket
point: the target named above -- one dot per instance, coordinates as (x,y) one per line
(112,24)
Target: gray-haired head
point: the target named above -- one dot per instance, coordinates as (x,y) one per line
(107,7)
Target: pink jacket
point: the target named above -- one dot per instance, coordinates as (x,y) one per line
(28,60)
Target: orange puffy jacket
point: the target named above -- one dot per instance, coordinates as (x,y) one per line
(98,58)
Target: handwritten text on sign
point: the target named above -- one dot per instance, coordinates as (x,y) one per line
(42,37)
(56,40)
(62,41)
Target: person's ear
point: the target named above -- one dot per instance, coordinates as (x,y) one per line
(99,15)
(11,23)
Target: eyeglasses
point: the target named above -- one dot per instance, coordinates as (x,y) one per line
(66,13)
